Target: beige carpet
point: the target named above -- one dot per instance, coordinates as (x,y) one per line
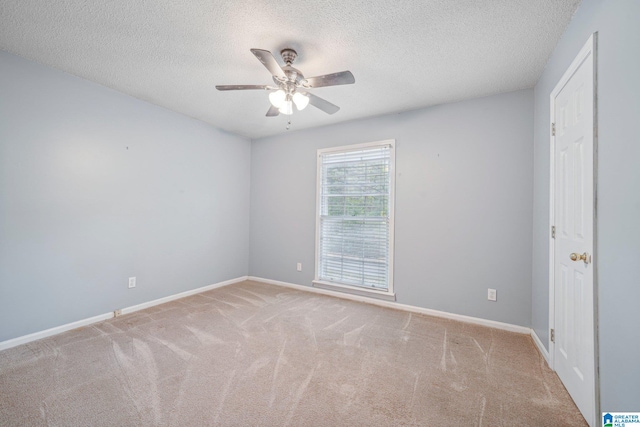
(253,354)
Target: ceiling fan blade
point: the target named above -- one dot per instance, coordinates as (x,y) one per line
(269,62)
(322,104)
(273,111)
(341,78)
(243,87)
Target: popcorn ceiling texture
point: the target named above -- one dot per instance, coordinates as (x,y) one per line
(404,55)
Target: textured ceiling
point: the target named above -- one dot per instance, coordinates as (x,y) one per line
(403,54)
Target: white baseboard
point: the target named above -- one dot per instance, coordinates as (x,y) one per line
(541,348)
(182,295)
(53,331)
(405,307)
(390,304)
(95,319)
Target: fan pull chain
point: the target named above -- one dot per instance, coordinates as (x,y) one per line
(288,124)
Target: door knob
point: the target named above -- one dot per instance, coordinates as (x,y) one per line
(578,257)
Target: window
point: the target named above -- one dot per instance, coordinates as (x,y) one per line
(354,218)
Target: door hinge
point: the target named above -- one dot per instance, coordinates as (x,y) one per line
(553,231)
(553,335)
(553,129)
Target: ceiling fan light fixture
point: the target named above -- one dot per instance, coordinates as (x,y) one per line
(286,107)
(300,100)
(277,98)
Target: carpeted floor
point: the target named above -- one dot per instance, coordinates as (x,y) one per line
(252,354)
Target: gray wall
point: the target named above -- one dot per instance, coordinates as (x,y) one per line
(463,203)
(618,232)
(96,186)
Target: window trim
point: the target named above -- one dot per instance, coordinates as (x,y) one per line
(389,294)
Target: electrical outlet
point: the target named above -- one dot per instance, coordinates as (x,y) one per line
(132,282)
(299,266)
(117,313)
(492,295)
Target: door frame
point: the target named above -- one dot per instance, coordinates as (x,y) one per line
(589,49)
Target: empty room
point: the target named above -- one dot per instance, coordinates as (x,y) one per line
(414,213)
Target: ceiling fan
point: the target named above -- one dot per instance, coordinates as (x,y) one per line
(291,85)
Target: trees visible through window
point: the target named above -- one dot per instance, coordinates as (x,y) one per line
(355,215)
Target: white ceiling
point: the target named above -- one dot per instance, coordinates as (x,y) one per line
(403,54)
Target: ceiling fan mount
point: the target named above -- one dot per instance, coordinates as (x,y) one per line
(291,85)
(294,77)
(288,55)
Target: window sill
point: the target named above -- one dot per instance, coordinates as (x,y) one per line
(355,290)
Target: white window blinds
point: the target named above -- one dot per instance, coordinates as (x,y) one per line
(354,218)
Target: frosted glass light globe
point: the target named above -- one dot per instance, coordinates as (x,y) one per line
(300,100)
(286,108)
(277,98)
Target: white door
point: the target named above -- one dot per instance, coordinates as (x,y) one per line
(574,349)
